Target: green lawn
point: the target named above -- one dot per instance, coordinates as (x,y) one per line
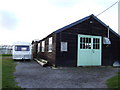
(8,68)
(114,82)
(0,71)
(6,55)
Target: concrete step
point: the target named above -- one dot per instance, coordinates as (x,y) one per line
(42,62)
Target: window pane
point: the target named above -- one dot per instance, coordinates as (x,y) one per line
(89,40)
(80,46)
(43,46)
(50,45)
(22,48)
(94,46)
(81,40)
(98,46)
(38,47)
(89,45)
(93,40)
(85,43)
(83,46)
(98,41)
(64,46)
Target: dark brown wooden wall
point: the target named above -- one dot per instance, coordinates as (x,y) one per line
(50,56)
(66,58)
(69,58)
(88,28)
(109,54)
(34,49)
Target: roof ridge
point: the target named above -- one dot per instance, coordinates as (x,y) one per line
(106,26)
(80,21)
(83,19)
(72,24)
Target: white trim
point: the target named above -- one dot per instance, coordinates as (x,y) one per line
(50,45)
(43,46)
(38,47)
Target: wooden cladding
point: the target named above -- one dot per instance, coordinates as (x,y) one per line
(60,47)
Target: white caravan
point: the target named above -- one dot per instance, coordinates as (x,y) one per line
(21,51)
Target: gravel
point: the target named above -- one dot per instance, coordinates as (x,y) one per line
(29,74)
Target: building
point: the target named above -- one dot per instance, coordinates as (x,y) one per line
(86,42)
(5,49)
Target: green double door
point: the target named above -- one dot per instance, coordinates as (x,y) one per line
(89,50)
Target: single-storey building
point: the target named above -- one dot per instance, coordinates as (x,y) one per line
(86,42)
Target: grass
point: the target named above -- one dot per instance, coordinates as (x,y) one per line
(0,71)
(6,54)
(114,82)
(8,68)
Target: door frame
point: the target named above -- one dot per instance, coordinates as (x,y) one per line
(78,47)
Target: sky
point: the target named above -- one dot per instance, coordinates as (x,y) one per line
(26,20)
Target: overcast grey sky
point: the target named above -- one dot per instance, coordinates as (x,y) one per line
(26,20)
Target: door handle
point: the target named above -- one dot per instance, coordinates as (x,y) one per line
(93,51)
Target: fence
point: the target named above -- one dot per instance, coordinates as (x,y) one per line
(5,49)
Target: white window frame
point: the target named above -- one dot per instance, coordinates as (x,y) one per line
(43,46)
(50,44)
(64,46)
(38,47)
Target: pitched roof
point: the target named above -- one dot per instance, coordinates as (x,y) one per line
(82,20)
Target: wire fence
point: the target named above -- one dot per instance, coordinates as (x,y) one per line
(5,49)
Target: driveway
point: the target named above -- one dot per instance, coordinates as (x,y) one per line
(32,75)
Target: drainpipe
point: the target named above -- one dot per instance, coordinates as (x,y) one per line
(119,18)
(108,32)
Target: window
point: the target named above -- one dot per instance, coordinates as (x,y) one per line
(22,48)
(38,47)
(50,45)
(64,46)
(43,46)
(85,43)
(96,43)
